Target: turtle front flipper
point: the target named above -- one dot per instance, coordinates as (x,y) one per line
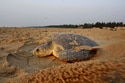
(77,55)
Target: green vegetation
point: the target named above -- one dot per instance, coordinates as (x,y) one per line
(64,26)
(90,25)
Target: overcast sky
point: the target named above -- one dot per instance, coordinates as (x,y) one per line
(49,12)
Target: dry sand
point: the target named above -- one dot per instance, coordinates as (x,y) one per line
(17,64)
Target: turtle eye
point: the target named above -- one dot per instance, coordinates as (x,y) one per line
(37,50)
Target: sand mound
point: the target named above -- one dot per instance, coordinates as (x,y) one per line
(18,65)
(88,72)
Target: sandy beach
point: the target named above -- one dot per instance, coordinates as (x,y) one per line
(19,65)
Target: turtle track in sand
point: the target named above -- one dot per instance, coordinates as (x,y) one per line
(23,59)
(106,67)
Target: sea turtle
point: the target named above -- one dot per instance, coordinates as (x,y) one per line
(67,47)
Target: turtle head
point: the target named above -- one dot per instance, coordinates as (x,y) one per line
(43,50)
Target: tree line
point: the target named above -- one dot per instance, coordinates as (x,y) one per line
(91,25)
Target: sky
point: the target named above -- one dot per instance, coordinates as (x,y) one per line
(54,12)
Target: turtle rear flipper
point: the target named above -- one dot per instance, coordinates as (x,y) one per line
(77,55)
